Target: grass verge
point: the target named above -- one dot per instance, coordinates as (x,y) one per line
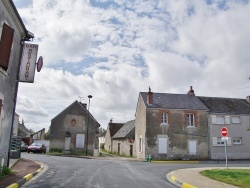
(237,177)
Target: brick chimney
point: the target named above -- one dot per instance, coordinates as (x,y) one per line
(191,91)
(150,96)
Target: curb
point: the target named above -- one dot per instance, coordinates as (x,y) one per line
(25,179)
(173,180)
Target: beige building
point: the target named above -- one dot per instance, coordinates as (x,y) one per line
(74,122)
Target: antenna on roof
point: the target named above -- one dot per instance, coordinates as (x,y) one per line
(80,98)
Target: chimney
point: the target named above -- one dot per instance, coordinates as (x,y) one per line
(111,120)
(191,91)
(248,99)
(149,97)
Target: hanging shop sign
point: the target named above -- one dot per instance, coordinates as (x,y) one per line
(28,63)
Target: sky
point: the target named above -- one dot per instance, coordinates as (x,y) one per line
(113,50)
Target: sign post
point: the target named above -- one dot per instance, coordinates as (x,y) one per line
(224,133)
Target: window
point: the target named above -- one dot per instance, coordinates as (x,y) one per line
(140,144)
(237,141)
(235,119)
(5,46)
(220,120)
(164,118)
(190,120)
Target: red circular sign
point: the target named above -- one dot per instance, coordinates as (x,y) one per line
(224,131)
(39,64)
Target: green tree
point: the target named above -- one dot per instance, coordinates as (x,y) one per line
(47,134)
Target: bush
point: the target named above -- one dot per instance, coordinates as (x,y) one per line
(102,146)
(55,150)
(4,171)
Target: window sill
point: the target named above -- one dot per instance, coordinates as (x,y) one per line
(191,127)
(164,124)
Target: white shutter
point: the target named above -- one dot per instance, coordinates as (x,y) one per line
(214,141)
(227,119)
(213,119)
(163,145)
(229,141)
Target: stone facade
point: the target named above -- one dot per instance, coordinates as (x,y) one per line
(173,139)
(73,121)
(111,130)
(124,146)
(123,140)
(177,135)
(9,18)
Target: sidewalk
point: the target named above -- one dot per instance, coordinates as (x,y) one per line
(191,178)
(23,170)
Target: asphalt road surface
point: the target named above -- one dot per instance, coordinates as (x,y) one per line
(97,173)
(104,172)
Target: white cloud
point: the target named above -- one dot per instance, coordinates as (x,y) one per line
(120,50)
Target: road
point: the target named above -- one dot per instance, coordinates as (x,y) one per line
(98,173)
(102,172)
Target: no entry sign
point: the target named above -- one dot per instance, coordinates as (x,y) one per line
(224,131)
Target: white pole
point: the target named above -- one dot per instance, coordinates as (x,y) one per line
(226,152)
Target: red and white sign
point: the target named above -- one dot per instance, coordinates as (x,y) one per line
(28,63)
(39,64)
(224,131)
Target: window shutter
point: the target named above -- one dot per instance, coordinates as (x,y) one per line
(213,119)
(5,46)
(227,119)
(229,141)
(214,141)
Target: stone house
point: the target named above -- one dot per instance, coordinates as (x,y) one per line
(234,114)
(111,130)
(13,33)
(123,140)
(102,139)
(171,126)
(72,123)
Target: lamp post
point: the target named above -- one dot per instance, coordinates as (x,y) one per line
(87,127)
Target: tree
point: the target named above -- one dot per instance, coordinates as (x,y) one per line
(101,130)
(47,134)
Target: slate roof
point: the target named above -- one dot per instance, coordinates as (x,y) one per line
(174,101)
(127,130)
(23,129)
(114,127)
(226,105)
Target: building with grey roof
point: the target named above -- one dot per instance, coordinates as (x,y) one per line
(111,131)
(123,140)
(186,126)
(233,114)
(72,124)
(171,126)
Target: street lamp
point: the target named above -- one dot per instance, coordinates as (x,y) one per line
(87,127)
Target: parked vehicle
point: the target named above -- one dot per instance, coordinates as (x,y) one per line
(37,147)
(24,146)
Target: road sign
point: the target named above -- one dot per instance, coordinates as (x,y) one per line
(224,138)
(224,131)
